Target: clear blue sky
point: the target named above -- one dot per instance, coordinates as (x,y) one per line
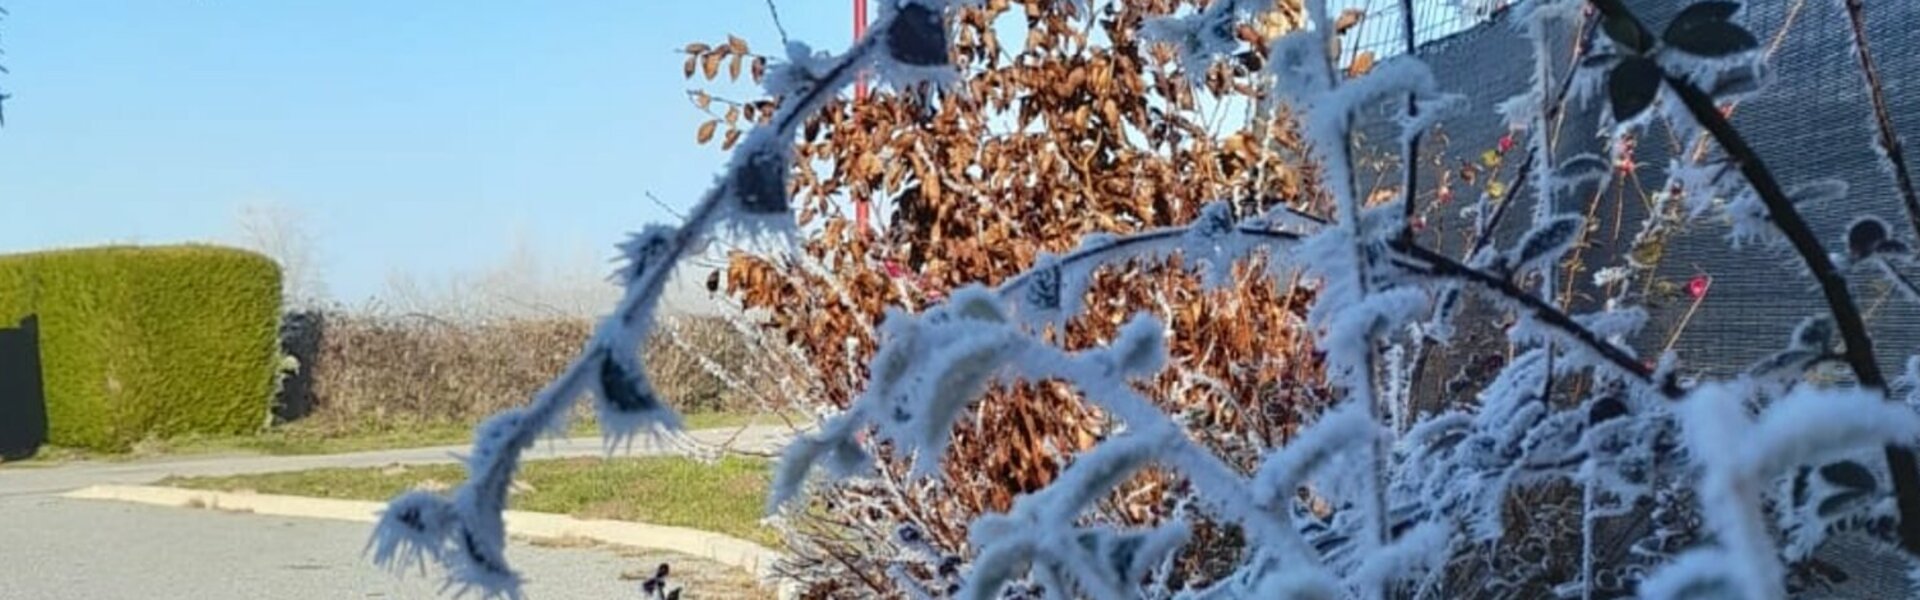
(417,135)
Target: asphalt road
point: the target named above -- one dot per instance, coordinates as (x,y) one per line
(54,548)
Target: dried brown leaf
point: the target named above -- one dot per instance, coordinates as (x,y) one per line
(1362,64)
(1348,19)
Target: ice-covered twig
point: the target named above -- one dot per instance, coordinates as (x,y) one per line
(1440,265)
(1888,137)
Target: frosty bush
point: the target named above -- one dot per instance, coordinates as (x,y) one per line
(967,189)
(1740,478)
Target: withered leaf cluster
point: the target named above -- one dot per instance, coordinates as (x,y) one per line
(1076,127)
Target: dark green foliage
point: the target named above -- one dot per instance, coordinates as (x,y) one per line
(1627,33)
(1631,86)
(149,341)
(1705,29)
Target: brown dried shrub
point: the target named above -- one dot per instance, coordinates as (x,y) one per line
(393,372)
(1083,129)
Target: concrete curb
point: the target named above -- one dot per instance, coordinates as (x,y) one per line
(727,550)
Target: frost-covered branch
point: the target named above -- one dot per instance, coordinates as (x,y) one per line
(1506,291)
(466,534)
(1410,148)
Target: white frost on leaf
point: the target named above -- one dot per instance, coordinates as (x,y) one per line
(1338,431)
(1813,425)
(1695,575)
(1198,39)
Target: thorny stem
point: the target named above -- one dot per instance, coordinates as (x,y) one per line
(1410,152)
(1542,149)
(641,296)
(1410,180)
(774,10)
(1348,208)
(1882,118)
(1901,462)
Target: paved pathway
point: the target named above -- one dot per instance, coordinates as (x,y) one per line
(53,547)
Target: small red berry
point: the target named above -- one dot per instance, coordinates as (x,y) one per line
(1697,287)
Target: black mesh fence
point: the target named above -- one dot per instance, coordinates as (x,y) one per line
(1381,29)
(1812,122)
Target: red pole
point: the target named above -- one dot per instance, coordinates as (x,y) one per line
(859,29)
(860,94)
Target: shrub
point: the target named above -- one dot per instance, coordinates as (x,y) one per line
(149,341)
(709,364)
(396,371)
(386,372)
(1119,153)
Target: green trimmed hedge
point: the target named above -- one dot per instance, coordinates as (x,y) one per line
(149,341)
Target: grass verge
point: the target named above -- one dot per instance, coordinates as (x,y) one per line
(723,497)
(314,438)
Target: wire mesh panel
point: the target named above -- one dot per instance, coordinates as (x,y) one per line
(1813,122)
(1379,30)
